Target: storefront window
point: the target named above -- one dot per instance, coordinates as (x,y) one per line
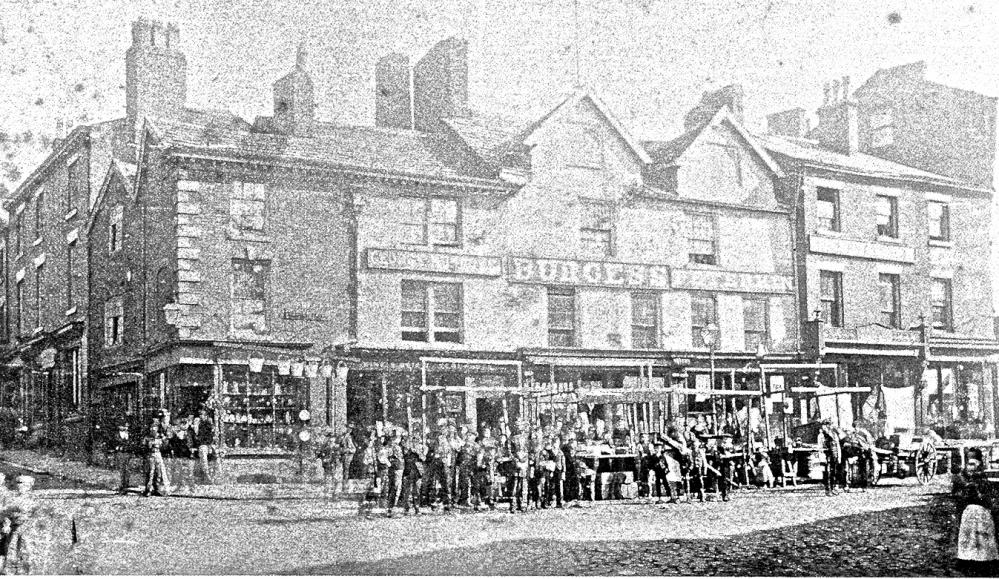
(260,409)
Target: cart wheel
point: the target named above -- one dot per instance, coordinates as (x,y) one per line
(925,471)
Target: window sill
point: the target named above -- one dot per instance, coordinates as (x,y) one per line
(697,265)
(71,311)
(940,243)
(235,234)
(36,242)
(889,240)
(72,213)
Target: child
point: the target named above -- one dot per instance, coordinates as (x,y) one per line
(764,474)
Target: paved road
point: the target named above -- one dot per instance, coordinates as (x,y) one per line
(903,529)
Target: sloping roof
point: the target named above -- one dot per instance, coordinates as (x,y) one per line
(669,152)
(366,149)
(123,171)
(812,153)
(491,139)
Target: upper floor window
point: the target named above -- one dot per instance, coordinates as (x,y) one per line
(941,301)
(889,288)
(114,322)
(939,214)
(76,181)
(882,125)
(70,273)
(39,214)
(249,294)
(561,316)
(19,299)
(703,313)
(887,207)
(831,295)
(597,230)
(18,232)
(431,312)
(703,236)
(644,320)
(39,293)
(247,206)
(755,322)
(114,228)
(827,208)
(430,221)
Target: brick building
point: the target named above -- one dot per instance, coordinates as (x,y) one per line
(894,261)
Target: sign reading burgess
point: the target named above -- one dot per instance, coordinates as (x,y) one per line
(432,262)
(594,273)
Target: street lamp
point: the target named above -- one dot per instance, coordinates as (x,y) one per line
(709,337)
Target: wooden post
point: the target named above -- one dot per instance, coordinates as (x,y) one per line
(384,399)
(764,402)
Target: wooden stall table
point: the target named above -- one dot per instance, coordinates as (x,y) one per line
(604,463)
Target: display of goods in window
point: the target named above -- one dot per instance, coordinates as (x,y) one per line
(260,409)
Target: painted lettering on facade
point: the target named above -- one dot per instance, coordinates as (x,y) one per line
(592,273)
(861,249)
(458,264)
(731,281)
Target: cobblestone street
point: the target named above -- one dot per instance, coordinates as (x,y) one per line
(897,529)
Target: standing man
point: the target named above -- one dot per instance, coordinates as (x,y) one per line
(829,442)
(440,469)
(347,449)
(415,453)
(467,458)
(123,450)
(156,477)
(328,455)
(202,435)
(521,472)
(396,466)
(726,456)
(646,456)
(660,467)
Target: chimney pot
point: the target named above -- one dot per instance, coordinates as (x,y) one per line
(440,84)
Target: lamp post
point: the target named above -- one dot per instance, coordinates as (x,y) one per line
(709,337)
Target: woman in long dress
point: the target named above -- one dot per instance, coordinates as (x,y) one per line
(976,543)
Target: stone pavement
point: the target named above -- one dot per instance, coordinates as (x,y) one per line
(899,528)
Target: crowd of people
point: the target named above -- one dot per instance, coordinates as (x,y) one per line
(556,465)
(172,449)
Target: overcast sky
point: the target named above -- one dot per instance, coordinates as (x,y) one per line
(649,59)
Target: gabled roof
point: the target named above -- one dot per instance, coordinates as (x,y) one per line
(374,150)
(531,134)
(811,153)
(125,172)
(669,152)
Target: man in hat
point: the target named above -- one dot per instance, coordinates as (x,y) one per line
(659,465)
(440,468)
(156,478)
(123,455)
(726,455)
(396,467)
(202,436)
(328,454)
(831,445)
(347,449)
(415,452)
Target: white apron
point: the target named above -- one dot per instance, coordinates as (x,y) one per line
(977,538)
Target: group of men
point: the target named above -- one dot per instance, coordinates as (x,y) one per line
(531,468)
(839,446)
(178,442)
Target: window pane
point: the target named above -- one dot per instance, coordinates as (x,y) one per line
(755,315)
(702,310)
(414,319)
(702,227)
(884,210)
(414,296)
(643,309)
(444,233)
(561,317)
(447,298)
(643,338)
(449,321)
(560,338)
(444,210)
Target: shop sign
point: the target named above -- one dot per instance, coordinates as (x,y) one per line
(588,273)
(433,262)
(300,316)
(731,281)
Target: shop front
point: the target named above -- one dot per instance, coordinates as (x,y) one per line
(393,389)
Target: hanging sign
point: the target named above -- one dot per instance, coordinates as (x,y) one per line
(46,359)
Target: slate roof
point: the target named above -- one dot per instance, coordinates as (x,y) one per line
(388,151)
(812,153)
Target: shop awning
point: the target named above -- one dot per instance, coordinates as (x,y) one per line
(799,366)
(717,392)
(622,395)
(903,352)
(583,362)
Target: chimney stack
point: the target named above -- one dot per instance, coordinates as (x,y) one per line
(711,101)
(155,73)
(393,95)
(440,84)
(294,100)
(839,126)
(790,123)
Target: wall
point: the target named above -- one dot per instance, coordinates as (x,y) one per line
(579,159)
